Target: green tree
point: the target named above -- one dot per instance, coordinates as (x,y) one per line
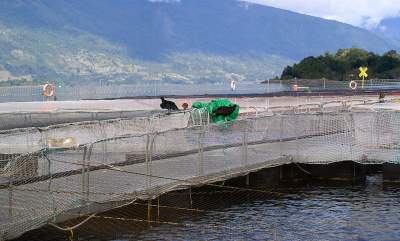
(344,65)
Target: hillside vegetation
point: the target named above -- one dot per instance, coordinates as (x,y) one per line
(344,65)
(186,41)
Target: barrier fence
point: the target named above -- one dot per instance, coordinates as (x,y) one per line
(62,93)
(151,89)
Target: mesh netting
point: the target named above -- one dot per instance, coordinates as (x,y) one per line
(23,140)
(44,119)
(118,162)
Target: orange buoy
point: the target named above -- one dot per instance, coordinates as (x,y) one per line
(48,90)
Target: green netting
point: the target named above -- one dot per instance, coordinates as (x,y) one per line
(214,105)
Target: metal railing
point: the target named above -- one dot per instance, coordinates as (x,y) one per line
(34,93)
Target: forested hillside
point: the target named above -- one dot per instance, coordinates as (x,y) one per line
(344,65)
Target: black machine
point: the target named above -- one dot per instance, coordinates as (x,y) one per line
(168,105)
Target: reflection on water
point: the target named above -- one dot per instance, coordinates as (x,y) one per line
(366,211)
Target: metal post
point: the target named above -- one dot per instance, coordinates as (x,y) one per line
(150,173)
(48,169)
(244,148)
(147,161)
(297,135)
(281,135)
(89,154)
(158,209)
(266,99)
(10,200)
(149,212)
(104,143)
(200,147)
(83,170)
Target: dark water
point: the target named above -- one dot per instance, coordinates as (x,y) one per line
(366,211)
(361,212)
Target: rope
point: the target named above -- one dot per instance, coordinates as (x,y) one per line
(75,226)
(71,235)
(301,169)
(71,229)
(164,222)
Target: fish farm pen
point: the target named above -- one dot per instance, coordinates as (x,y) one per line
(64,174)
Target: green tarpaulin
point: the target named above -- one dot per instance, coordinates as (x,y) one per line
(214,105)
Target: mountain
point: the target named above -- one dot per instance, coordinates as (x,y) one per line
(72,41)
(390,28)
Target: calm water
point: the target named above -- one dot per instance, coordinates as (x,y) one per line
(362,212)
(368,211)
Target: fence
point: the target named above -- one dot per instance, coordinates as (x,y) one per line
(51,185)
(334,85)
(33,93)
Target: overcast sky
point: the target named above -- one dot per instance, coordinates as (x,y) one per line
(362,13)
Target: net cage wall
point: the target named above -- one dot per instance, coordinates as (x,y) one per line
(119,161)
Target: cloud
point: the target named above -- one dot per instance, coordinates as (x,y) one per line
(362,13)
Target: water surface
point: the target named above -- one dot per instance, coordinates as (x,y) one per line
(364,211)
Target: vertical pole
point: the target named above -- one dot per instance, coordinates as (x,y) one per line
(54,206)
(158,209)
(10,200)
(149,212)
(267,100)
(83,170)
(150,173)
(88,172)
(297,134)
(362,83)
(200,147)
(147,161)
(281,135)
(352,127)
(190,197)
(244,148)
(103,143)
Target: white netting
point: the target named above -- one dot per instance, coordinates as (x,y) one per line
(119,161)
(23,140)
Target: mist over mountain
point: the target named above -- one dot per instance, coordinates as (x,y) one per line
(72,41)
(390,28)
